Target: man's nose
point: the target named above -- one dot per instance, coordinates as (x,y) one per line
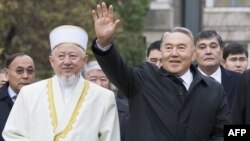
(25,74)
(67,60)
(208,50)
(238,63)
(174,52)
(158,63)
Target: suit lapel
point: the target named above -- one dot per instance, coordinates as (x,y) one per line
(5,95)
(226,80)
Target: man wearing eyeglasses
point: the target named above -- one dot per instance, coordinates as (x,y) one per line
(19,71)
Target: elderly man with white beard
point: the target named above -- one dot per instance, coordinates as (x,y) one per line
(65,107)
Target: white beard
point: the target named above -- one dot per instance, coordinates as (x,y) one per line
(68,80)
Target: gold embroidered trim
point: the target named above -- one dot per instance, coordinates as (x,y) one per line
(72,120)
(52,105)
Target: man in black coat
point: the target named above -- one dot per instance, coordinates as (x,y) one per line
(241,105)
(208,52)
(19,70)
(6,104)
(173,103)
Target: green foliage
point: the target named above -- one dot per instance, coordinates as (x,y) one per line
(129,39)
(25,27)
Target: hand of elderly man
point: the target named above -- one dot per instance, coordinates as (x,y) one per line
(105,24)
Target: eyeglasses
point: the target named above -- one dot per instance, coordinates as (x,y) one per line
(21,71)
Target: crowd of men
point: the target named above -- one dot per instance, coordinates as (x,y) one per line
(188,88)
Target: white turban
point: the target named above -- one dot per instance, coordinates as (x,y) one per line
(68,34)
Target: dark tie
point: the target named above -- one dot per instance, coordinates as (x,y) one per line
(180,79)
(181,88)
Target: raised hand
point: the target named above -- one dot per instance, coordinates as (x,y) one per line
(104,24)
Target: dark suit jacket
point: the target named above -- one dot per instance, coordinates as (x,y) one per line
(230,81)
(159,110)
(6,104)
(241,105)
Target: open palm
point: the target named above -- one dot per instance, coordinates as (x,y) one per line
(104,23)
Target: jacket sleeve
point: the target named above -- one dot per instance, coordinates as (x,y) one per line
(223,117)
(125,78)
(16,127)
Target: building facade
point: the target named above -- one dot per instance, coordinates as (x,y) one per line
(230,18)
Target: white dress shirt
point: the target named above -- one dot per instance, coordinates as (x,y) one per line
(187,79)
(12,94)
(216,75)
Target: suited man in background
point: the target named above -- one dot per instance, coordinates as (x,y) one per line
(20,71)
(208,56)
(241,105)
(235,57)
(154,54)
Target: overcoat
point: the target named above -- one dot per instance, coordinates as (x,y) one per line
(241,106)
(160,110)
(5,107)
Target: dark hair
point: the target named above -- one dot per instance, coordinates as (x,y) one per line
(234,48)
(12,57)
(208,34)
(154,45)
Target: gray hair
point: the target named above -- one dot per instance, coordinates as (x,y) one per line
(90,66)
(183,30)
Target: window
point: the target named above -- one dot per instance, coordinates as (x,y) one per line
(228,3)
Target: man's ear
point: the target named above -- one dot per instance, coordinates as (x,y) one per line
(51,60)
(86,58)
(193,54)
(6,73)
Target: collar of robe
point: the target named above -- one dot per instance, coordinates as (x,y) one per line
(53,114)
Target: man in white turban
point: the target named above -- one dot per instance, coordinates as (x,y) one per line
(65,107)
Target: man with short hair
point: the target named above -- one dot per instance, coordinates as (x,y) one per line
(154,55)
(65,107)
(208,52)
(93,72)
(235,57)
(174,102)
(19,71)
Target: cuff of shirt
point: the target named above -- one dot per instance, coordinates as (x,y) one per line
(99,50)
(103,48)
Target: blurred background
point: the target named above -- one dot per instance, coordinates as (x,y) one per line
(25,24)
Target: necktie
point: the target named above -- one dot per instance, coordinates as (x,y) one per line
(181,88)
(14,98)
(211,77)
(180,79)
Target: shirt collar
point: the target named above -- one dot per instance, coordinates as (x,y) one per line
(187,78)
(216,75)
(11,92)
